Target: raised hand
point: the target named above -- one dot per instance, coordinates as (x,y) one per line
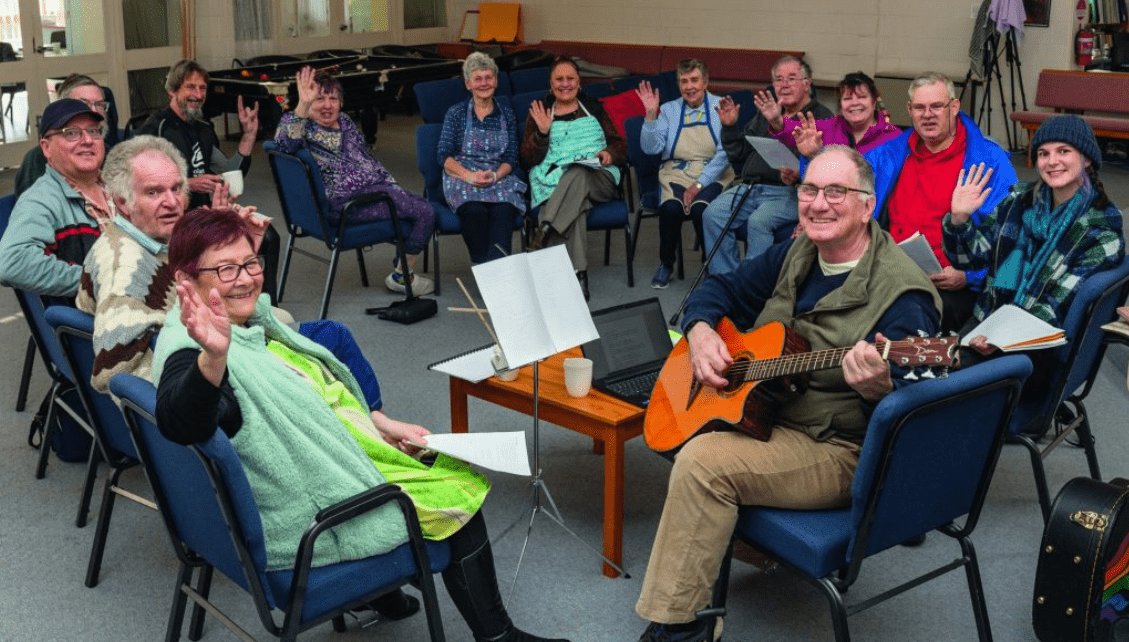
(809,139)
(221,196)
(970,193)
(770,109)
(727,111)
(207,323)
(541,116)
(255,223)
(249,121)
(307,91)
(650,97)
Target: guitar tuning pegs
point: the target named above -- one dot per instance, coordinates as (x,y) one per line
(922,333)
(910,376)
(928,374)
(943,374)
(952,333)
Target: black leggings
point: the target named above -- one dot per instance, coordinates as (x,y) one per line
(488,229)
(469,539)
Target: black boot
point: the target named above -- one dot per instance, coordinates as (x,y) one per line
(473,588)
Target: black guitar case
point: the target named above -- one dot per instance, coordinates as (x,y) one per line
(1082,581)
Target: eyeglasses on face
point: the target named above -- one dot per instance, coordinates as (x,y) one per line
(230,272)
(790,80)
(74,134)
(919,109)
(97,105)
(834,194)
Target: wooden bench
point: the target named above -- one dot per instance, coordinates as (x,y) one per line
(1079,92)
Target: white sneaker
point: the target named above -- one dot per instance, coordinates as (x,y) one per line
(421,285)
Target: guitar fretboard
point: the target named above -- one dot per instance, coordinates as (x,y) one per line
(790,364)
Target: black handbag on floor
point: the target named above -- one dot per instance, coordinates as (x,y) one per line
(1082,581)
(407,311)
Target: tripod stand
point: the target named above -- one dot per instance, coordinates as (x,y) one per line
(992,74)
(539,489)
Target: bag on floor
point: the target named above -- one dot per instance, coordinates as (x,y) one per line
(69,440)
(1082,581)
(407,311)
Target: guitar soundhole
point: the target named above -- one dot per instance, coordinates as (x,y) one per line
(736,374)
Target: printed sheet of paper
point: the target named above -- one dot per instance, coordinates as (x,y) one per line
(774,152)
(1013,328)
(504,452)
(536,305)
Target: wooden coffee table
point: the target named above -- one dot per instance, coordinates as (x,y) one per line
(607,420)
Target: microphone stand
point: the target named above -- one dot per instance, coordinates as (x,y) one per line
(740,202)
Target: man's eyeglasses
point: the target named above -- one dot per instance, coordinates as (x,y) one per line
(790,80)
(230,272)
(935,108)
(97,105)
(834,194)
(74,134)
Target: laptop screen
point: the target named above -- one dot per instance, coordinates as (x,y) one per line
(631,335)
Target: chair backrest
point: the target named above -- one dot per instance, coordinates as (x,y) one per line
(744,98)
(929,454)
(427,146)
(35,312)
(202,503)
(529,79)
(521,103)
(75,332)
(646,165)
(505,85)
(435,97)
(301,192)
(7,204)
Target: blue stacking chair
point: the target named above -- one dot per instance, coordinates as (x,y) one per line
(666,82)
(1075,366)
(529,79)
(436,96)
(75,331)
(213,523)
(926,462)
(446,221)
(7,204)
(597,89)
(301,193)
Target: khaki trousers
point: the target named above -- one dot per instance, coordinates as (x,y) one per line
(567,208)
(713,475)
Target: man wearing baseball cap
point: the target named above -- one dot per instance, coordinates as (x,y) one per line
(57,220)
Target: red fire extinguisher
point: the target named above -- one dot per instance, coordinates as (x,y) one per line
(1084,47)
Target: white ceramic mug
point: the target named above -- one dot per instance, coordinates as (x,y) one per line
(507,375)
(234,180)
(578,376)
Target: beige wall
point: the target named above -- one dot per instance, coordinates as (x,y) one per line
(876,36)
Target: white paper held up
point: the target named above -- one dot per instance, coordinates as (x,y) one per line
(504,452)
(774,152)
(1012,328)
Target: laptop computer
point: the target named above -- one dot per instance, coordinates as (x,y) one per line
(632,348)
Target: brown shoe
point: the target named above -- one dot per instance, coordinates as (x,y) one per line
(541,236)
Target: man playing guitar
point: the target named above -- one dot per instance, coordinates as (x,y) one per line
(843,283)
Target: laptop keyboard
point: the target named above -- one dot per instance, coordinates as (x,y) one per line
(640,385)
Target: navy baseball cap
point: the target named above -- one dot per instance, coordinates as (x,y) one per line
(60,112)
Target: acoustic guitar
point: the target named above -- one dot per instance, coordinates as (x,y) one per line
(770,366)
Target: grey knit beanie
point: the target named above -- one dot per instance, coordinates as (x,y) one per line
(1072,130)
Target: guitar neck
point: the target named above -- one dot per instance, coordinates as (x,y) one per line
(791,364)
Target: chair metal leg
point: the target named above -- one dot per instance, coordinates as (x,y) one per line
(329,282)
(286,256)
(976,590)
(48,432)
(339,624)
(361,265)
(179,602)
(1039,471)
(630,257)
(838,609)
(436,273)
(25,378)
(203,588)
(1087,442)
(607,247)
(99,546)
(88,484)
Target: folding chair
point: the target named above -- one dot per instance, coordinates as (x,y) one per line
(927,460)
(213,523)
(7,204)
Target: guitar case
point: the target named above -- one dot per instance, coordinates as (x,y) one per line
(1082,581)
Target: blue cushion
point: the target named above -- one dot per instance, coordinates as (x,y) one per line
(814,541)
(329,587)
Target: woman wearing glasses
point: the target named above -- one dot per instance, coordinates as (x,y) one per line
(295,417)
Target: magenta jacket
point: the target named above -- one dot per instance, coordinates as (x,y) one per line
(836,131)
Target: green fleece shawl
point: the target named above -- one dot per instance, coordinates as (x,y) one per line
(297,455)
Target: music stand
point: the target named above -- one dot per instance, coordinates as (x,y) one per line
(518,290)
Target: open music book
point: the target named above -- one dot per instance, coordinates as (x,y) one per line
(1012,328)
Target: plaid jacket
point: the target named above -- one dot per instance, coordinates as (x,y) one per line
(1093,244)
